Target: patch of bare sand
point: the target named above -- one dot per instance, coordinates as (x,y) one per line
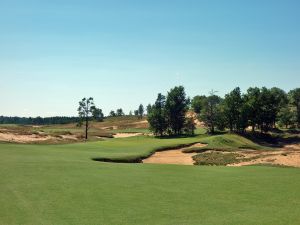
(125,135)
(30,138)
(109,128)
(194,116)
(20,138)
(141,122)
(69,137)
(197,145)
(293,147)
(176,157)
(287,156)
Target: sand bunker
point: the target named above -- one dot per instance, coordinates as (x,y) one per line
(171,157)
(125,135)
(34,138)
(287,156)
(176,157)
(19,138)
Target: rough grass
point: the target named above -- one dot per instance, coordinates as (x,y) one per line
(60,184)
(123,122)
(216,158)
(105,129)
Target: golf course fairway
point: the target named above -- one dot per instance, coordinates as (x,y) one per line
(61,184)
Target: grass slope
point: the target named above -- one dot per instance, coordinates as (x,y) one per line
(60,184)
(227,142)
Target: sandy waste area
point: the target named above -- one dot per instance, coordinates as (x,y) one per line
(287,156)
(126,135)
(29,138)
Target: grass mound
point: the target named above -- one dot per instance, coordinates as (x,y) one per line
(226,142)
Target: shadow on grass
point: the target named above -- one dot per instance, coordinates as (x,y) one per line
(179,136)
(293,131)
(277,140)
(133,160)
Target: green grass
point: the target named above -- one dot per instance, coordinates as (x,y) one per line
(200,131)
(60,184)
(230,141)
(227,142)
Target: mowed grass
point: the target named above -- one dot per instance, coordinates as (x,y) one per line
(60,184)
(230,142)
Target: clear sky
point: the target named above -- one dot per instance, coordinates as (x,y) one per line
(122,53)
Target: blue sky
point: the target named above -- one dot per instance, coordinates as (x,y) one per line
(53,53)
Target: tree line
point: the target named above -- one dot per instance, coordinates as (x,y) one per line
(37,120)
(258,108)
(140,112)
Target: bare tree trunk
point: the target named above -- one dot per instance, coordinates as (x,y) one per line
(212,129)
(86,127)
(231,127)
